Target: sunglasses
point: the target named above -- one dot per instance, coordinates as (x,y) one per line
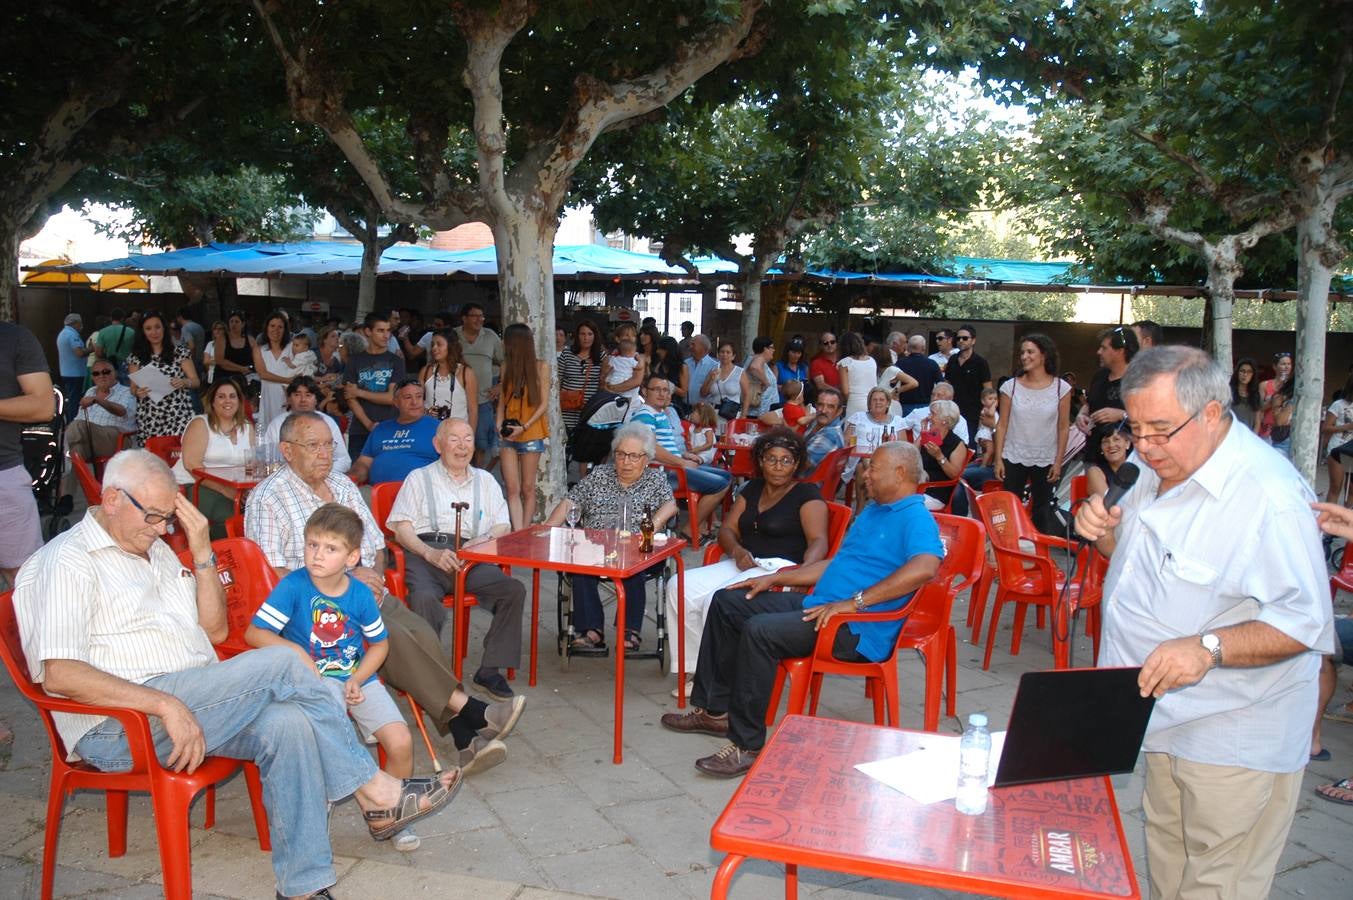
(102,372)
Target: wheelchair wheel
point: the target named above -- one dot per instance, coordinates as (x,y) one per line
(564,616)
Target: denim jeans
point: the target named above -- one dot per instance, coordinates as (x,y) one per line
(703,479)
(268,707)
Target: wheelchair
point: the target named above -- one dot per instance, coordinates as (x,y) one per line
(564,609)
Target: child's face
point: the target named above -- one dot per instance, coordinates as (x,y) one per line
(627,347)
(989,401)
(299,345)
(327,555)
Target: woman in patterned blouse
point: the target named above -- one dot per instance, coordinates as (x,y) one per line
(599,498)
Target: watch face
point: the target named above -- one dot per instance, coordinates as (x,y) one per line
(1211,642)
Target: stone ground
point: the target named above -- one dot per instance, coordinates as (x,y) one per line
(559,820)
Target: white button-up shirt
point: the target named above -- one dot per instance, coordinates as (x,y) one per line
(487,509)
(123,397)
(83,597)
(280,505)
(1235,542)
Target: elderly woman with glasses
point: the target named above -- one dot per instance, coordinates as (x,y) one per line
(596,502)
(776,521)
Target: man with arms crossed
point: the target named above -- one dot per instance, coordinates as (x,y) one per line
(1228,632)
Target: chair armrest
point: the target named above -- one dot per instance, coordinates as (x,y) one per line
(826,636)
(1042,563)
(135,723)
(1048,540)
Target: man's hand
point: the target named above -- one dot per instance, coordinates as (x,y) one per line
(1093,521)
(371,578)
(350,391)
(352,692)
(86,402)
(1334,519)
(190,746)
(444,559)
(820,614)
(1107,415)
(195,527)
(1174,664)
(754,586)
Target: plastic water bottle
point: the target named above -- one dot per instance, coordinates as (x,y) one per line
(974,753)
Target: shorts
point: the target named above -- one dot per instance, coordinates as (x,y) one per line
(536,446)
(20,525)
(486,430)
(376,710)
(1342,452)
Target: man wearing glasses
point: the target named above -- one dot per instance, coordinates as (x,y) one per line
(822,370)
(970,375)
(275,520)
(1228,633)
(106,411)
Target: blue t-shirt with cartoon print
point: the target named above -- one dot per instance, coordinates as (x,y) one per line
(331,629)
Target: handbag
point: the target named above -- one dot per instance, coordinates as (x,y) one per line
(569,399)
(729,409)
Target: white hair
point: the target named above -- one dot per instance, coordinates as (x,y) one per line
(639,432)
(944,411)
(906,455)
(131,469)
(916,343)
(942,390)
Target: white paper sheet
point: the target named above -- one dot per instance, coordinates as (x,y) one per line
(153,379)
(929,773)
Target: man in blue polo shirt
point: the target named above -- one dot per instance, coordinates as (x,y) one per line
(397,446)
(892,549)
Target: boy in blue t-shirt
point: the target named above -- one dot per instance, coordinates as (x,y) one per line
(334,623)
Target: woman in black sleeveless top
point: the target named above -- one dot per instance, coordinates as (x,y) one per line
(776,521)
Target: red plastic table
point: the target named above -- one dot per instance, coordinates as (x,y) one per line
(600,552)
(804,803)
(231,477)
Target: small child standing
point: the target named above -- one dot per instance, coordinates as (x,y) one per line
(621,369)
(333,621)
(702,440)
(302,360)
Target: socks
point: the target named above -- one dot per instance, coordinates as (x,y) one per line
(461,733)
(472,713)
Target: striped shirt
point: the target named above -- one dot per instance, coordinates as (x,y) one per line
(120,395)
(279,507)
(82,597)
(487,508)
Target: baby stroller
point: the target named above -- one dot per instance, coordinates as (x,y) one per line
(44,458)
(591,440)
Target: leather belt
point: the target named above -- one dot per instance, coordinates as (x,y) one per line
(437,537)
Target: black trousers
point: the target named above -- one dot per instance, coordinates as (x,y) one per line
(1017,475)
(740,650)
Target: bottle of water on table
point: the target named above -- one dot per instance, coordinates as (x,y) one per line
(974,753)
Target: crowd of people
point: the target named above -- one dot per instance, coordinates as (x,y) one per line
(436,409)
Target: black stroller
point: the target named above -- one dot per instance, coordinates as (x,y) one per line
(44,458)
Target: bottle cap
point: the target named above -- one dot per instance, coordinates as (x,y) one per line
(978,720)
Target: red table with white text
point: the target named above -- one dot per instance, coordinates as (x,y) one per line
(804,803)
(600,552)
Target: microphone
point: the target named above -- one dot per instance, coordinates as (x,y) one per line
(1119,484)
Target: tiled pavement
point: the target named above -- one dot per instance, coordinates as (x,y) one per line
(559,820)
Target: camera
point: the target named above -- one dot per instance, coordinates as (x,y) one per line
(508,425)
(441,412)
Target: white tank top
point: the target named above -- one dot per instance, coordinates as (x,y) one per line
(220,451)
(439,390)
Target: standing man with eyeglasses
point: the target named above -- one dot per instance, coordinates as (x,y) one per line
(1228,634)
(970,375)
(106,411)
(1117,347)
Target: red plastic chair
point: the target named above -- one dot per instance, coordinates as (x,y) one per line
(234,526)
(171,793)
(1342,579)
(167,447)
(951,483)
(1032,577)
(682,492)
(89,483)
(1080,489)
(828,473)
(122,439)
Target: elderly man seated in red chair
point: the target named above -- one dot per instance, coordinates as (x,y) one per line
(891,550)
(109,617)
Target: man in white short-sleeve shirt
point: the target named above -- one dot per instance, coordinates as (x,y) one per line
(1227,623)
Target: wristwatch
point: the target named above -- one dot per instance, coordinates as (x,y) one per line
(208,563)
(858,600)
(1212,644)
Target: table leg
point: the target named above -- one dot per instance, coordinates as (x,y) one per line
(680,627)
(791,881)
(723,878)
(535,623)
(619,667)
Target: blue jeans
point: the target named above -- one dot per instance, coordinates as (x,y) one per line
(587,611)
(485,431)
(703,479)
(268,707)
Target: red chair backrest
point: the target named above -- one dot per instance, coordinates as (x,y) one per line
(1080,489)
(90,485)
(247,579)
(965,543)
(11,650)
(829,471)
(167,447)
(234,526)
(1007,523)
(382,500)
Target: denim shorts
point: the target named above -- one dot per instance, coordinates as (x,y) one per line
(536,446)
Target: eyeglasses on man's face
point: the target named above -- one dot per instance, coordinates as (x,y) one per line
(963,337)
(319,448)
(1154,438)
(100,372)
(151,518)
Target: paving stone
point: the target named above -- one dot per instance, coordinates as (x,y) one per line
(553,819)
(618,870)
(374,879)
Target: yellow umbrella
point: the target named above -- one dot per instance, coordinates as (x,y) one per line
(67,278)
(117,282)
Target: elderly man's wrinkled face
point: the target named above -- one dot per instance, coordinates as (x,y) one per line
(310,451)
(126,513)
(454,442)
(1154,410)
(828,407)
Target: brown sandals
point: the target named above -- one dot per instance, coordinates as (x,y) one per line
(409,809)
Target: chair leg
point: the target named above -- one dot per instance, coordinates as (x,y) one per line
(56,800)
(991,629)
(977,602)
(253,779)
(171,831)
(209,806)
(1021,610)
(950,672)
(423,730)
(934,657)
(880,703)
(1040,620)
(798,691)
(891,701)
(117,822)
(815,695)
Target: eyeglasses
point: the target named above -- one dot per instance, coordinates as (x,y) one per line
(152,518)
(963,337)
(624,456)
(829,343)
(97,372)
(779,462)
(319,448)
(1155,438)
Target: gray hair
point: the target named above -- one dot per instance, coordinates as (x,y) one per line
(906,455)
(944,411)
(132,468)
(896,336)
(1199,379)
(942,390)
(916,343)
(703,340)
(352,342)
(73,319)
(295,421)
(639,432)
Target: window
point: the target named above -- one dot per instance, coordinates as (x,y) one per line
(684,304)
(640,303)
